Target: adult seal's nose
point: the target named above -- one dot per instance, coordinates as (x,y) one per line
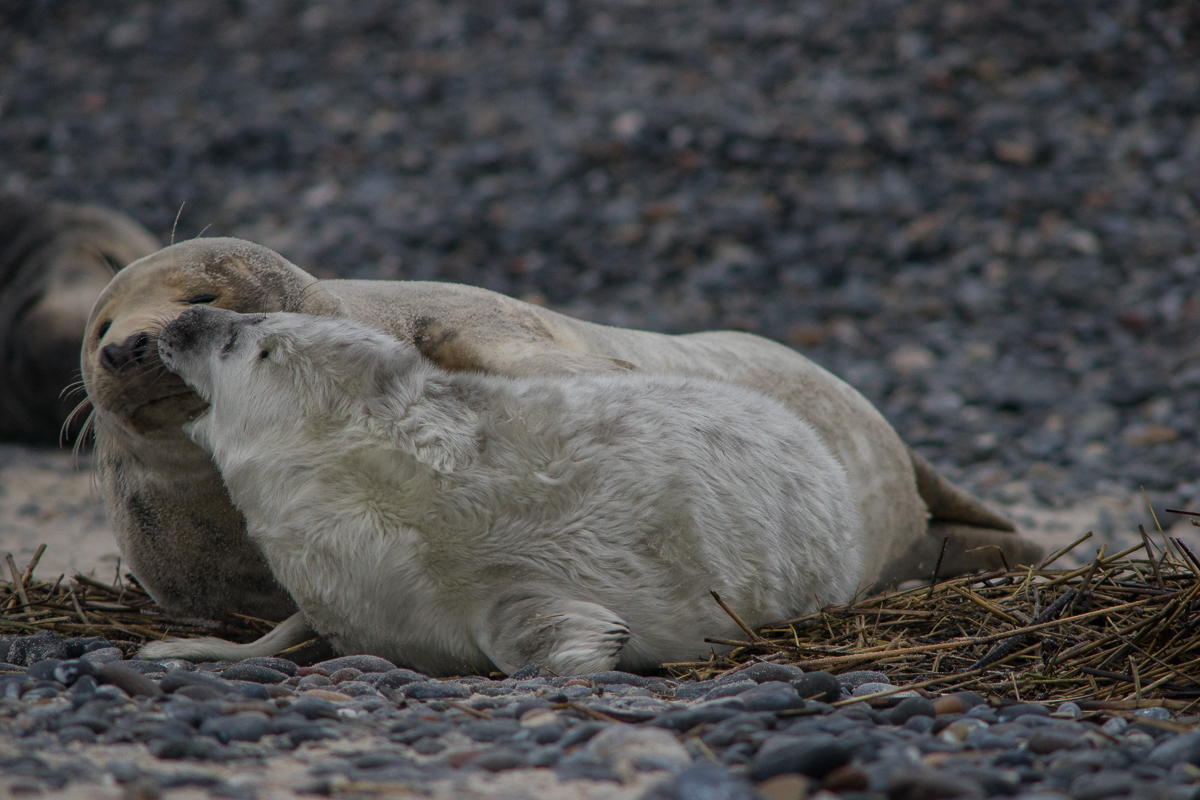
(116,356)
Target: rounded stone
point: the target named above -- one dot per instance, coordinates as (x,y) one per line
(288,668)
(248,726)
(813,756)
(25,651)
(1153,713)
(363,663)
(313,681)
(128,680)
(771,696)
(852,680)
(356,688)
(911,707)
(625,744)
(394,679)
(433,690)
(1099,785)
(498,759)
(103,655)
(313,707)
(490,730)
(1044,741)
(820,686)
(253,673)
(76,733)
(1020,709)
(44,670)
(348,674)
(67,672)
(703,781)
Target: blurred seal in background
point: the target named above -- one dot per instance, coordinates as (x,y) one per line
(55,259)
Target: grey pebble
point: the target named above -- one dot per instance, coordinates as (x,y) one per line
(1020,709)
(730,689)
(362,663)
(288,668)
(703,782)
(129,680)
(103,655)
(429,690)
(852,680)
(771,696)
(1099,785)
(244,727)
(911,707)
(813,756)
(1184,748)
(254,673)
(498,759)
(819,686)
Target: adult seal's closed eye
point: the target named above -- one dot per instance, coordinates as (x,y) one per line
(444,520)
(187,544)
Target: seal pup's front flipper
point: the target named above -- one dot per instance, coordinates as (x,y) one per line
(566,637)
(292,631)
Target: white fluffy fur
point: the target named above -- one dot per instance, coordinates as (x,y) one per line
(453,521)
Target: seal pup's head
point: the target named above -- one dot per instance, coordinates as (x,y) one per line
(121,369)
(266,376)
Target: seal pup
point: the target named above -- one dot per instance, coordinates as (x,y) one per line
(447,519)
(55,259)
(186,543)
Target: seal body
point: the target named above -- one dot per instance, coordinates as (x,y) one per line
(187,544)
(55,260)
(464,520)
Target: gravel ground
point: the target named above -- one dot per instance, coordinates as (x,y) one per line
(981,214)
(75,718)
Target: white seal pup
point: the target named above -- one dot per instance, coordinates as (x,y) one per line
(453,521)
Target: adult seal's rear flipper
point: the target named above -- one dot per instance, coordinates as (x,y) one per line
(55,259)
(976,538)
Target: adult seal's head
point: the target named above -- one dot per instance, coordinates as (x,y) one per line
(55,259)
(171,514)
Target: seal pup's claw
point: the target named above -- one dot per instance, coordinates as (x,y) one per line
(565,637)
(292,631)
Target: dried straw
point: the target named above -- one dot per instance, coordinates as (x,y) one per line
(1118,633)
(1121,632)
(121,612)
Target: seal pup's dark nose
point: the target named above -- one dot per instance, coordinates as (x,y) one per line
(116,356)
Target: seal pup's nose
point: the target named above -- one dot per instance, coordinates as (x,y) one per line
(115,357)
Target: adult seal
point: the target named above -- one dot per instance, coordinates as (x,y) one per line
(183,539)
(55,259)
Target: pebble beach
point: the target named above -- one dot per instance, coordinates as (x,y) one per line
(981,215)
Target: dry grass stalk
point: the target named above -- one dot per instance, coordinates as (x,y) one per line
(123,612)
(1131,637)
(1120,630)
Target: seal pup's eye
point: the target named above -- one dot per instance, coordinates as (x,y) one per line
(200,299)
(230,344)
(264,355)
(103,329)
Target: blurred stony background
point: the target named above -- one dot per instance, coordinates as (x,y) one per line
(981,214)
